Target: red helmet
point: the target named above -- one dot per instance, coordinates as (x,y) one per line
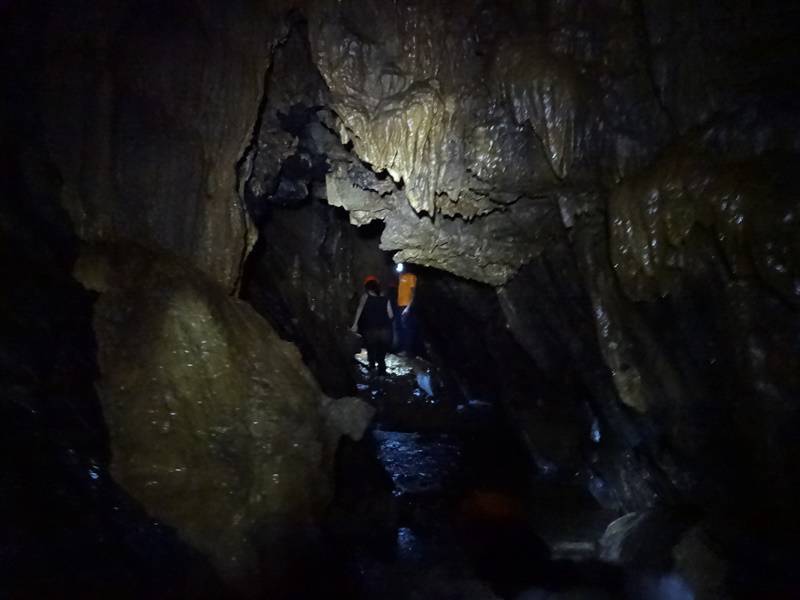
(369,278)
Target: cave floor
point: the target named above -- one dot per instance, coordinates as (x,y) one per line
(464,515)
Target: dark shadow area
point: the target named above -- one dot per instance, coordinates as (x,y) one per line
(68,530)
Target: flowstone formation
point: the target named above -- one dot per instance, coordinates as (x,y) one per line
(215,424)
(411,93)
(481,115)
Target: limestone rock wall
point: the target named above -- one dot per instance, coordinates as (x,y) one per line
(633,207)
(306,271)
(477,114)
(147,109)
(215,424)
(489,250)
(306,276)
(71,531)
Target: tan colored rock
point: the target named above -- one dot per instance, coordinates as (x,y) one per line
(348,416)
(490,249)
(543,90)
(415,103)
(652,215)
(216,426)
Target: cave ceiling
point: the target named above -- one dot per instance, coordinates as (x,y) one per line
(482,121)
(489,117)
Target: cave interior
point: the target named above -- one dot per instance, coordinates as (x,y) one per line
(595,392)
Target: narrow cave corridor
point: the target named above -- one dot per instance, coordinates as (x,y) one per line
(594,388)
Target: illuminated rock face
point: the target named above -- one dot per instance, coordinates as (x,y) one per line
(489,250)
(483,115)
(479,110)
(216,426)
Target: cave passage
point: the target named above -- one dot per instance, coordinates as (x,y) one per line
(599,201)
(439,500)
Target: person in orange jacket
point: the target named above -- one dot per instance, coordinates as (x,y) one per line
(406,292)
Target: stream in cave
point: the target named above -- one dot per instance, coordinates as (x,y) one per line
(441,500)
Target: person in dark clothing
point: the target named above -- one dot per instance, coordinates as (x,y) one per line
(391,294)
(374,322)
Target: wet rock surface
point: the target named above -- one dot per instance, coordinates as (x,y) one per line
(215,425)
(68,529)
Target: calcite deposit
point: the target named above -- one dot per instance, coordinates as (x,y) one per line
(468,122)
